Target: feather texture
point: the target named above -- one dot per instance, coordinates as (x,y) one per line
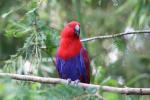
(77,67)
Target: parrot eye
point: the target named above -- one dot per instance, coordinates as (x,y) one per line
(77,30)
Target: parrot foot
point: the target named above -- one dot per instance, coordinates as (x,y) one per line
(68,81)
(76,82)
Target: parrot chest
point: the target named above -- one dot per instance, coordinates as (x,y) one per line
(69,48)
(71,68)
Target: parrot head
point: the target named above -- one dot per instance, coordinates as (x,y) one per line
(71,29)
(70,44)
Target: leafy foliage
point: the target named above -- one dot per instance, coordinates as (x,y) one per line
(29,36)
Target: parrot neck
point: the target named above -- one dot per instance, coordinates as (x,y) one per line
(69,47)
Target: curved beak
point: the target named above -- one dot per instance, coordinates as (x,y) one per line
(77,30)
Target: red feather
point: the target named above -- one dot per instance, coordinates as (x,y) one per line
(70,44)
(87,63)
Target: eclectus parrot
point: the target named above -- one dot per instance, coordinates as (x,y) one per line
(72,60)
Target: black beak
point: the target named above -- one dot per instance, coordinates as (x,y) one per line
(77,30)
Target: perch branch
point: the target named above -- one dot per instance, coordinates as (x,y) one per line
(115,35)
(124,90)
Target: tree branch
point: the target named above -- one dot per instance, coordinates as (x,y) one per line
(125,90)
(115,35)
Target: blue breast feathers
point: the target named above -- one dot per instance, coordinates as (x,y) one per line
(73,68)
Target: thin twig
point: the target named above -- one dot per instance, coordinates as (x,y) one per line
(98,96)
(124,90)
(115,35)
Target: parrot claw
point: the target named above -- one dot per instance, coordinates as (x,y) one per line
(68,81)
(76,82)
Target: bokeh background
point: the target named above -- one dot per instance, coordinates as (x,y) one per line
(29,36)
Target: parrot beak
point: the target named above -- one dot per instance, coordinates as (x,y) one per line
(77,30)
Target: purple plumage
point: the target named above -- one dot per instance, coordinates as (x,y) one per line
(75,67)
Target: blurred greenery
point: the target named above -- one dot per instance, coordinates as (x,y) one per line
(29,36)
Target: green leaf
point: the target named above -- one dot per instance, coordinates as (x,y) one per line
(6,14)
(49,43)
(91,90)
(31,11)
(120,43)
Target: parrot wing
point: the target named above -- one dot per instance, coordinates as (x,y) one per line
(86,63)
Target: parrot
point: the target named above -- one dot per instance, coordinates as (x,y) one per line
(72,59)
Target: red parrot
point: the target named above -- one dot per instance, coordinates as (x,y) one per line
(72,60)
